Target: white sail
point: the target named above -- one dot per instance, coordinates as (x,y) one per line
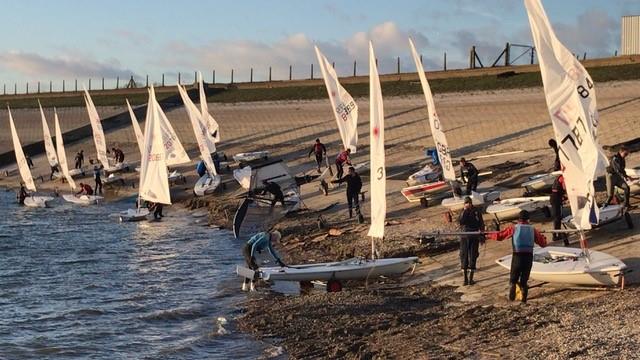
(154,179)
(62,156)
(98,133)
(437,131)
(48,142)
(344,108)
(136,128)
(23,167)
(213,129)
(199,129)
(174,149)
(378,179)
(571,100)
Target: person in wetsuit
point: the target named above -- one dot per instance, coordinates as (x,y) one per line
(470,220)
(97,170)
(558,196)
(85,190)
(617,176)
(342,159)
(275,190)
(320,152)
(554,145)
(469,175)
(22,194)
(256,245)
(354,186)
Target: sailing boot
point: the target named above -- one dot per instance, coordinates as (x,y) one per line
(525,292)
(471,282)
(466,277)
(350,213)
(252,286)
(512,292)
(359,215)
(245,285)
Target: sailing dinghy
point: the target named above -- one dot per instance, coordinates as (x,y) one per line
(540,183)
(154,181)
(480,199)
(571,101)
(357,268)
(64,168)
(210,181)
(25,172)
(509,209)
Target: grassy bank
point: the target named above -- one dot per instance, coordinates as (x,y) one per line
(232,94)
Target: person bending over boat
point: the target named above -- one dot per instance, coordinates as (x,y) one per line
(275,190)
(469,175)
(22,194)
(470,220)
(256,245)
(558,196)
(320,151)
(523,236)
(342,159)
(85,190)
(617,176)
(354,186)
(556,163)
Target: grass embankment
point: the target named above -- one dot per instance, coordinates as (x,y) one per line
(233,94)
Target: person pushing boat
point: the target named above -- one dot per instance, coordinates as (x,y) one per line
(470,220)
(97,177)
(54,170)
(320,152)
(342,159)
(275,190)
(523,237)
(354,186)
(617,177)
(558,196)
(256,245)
(85,189)
(469,175)
(22,194)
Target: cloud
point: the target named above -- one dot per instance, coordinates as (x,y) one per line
(297,50)
(40,67)
(599,38)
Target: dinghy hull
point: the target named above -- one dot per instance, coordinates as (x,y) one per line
(206,185)
(82,199)
(509,209)
(37,201)
(479,199)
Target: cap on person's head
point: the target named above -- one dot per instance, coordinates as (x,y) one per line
(351,168)
(81,184)
(317,140)
(524,215)
(275,235)
(349,150)
(467,200)
(462,160)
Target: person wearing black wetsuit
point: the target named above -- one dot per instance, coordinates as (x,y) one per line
(617,176)
(275,190)
(470,220)
(558,195)
(354,186)
(469,175)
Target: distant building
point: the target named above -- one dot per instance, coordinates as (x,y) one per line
(630,35)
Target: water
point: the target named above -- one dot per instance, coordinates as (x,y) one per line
(75,283)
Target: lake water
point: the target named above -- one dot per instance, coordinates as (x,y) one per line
(75,283)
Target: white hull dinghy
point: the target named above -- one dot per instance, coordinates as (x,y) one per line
(478,199)
(428,174)
(118,167)
(251,156)
(174,176)
(426,192)
(540,182)
(74,173)
(82,199)
(112,178)
(572,266)
(37,201)
(351,269)
(608,214)
(131,215)
(509,209)
(634,185)
(206,185)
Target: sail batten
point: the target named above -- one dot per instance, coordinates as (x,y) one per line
(62,156)
(376,139)
(437,131)
(571,101)
(344,107)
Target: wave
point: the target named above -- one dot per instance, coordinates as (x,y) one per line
(175,314)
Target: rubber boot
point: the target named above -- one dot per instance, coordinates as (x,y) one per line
(512,292)
(245,285)
(359,215)
(471,282)
(525,292)
(466,277)
(252,287)
(350,213)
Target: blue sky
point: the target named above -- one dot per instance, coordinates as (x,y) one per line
(68,39)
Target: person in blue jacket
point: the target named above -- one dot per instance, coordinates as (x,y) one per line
(201,168)
(256,245)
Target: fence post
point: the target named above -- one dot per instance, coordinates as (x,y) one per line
(76,88)
(615,53)
(179,78)
(354,68)
(147,82)
(290,72)
(15,89)
(269,73)
(445,61)
(50,86)
(102,83)
(232,76)
(251,76)
(213,79)
(584,57)
(27,87)
(163,80)
(38,87)
(195,77)
(333,64)
(63,86)
(117,82)
(507,54)
(89,84)
(420,58)
(533,51)
(312,71)
(4,89)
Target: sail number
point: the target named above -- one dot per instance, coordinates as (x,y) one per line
(343,110)
(380,172)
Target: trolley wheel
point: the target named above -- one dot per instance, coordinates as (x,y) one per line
(334,286)
(547,212)
(424,202)
(628,220)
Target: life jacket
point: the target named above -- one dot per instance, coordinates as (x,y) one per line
(557,187)
(523,238)
(317,148)
(342,157)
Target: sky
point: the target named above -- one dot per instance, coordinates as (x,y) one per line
(73,39)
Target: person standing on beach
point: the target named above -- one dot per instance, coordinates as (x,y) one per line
(96,176)
(523,237)
(29,161)
(320,151)
(22,194)
(554,145)
(201,168)
(469,175)
(617,176)
(342,159)
(471,221)
(256,245)
(558,196)
(79,159)
(354,186)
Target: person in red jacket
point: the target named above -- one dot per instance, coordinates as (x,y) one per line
(523,237)
(320,151)
(85,190)
(342,159)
